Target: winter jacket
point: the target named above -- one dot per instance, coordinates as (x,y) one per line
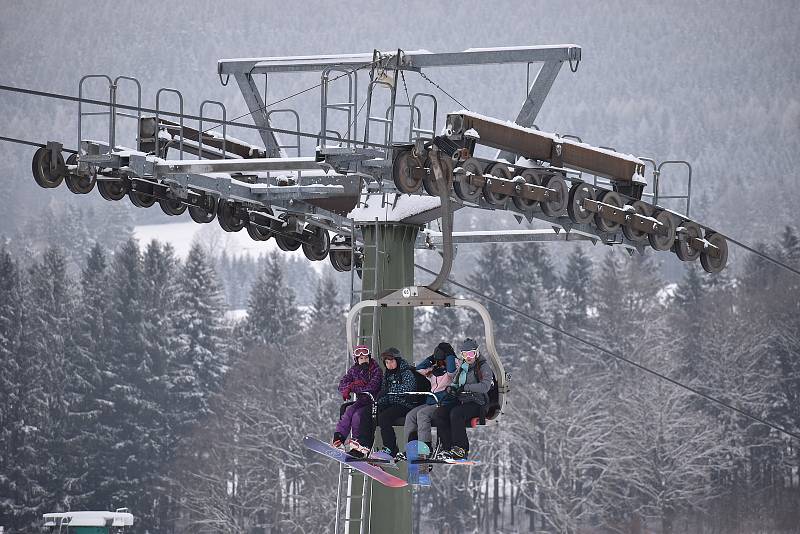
(359,381)
(439,378)
(398,380)
(472,389)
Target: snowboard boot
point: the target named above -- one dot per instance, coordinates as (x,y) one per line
(456,453)
(357,450)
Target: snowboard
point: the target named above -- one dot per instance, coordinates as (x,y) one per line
(416,476)
(361,465)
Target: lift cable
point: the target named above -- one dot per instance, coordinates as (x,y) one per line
(173,114)
(31,143)
(617,356)
(765,256)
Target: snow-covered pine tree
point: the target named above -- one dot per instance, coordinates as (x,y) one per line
(577,282)
(19,413)
(200,360)
(161,298)
(133,422)
(85,396)
(272,315)
(691,299)
(532,284)
(490,277)
(50,322)
(326,307)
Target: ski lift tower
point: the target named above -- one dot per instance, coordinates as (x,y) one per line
(375,181)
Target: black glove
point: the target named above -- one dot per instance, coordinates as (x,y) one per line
(453,390)
(442,350)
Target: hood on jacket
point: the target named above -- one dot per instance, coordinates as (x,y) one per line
(402,365)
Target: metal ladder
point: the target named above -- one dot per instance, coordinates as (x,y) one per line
(349,107)
(360,515)
(379,77)
(112,111)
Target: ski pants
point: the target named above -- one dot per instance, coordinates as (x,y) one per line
(452,423)
(420,420)
(386,418)
(355,417)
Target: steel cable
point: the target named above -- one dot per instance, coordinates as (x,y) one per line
(173,114)
(31,143)
(618,356)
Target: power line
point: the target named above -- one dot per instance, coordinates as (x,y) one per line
(617,356)
(173,114)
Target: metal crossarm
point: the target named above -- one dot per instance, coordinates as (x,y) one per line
(412,60)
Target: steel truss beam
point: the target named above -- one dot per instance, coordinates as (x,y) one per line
(411,60)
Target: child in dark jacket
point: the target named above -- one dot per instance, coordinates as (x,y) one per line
(398,378)
(363,377)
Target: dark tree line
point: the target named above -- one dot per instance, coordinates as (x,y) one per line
(103,377)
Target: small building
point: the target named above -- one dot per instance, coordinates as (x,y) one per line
(89,522)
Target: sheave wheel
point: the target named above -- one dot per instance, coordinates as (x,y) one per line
(429,181)
(528,176)
(632,234)
(229,217)
(112,189)
(341,260)
(141,200)
(316,243)
(603,224)
(80,185)
(555,207)
(259,232)
(464,190)
(171,206)
(204,214)
(499,170)
(285,239)
(715,264)
(404,180)
(682,248)
(577,194)
(663,240)
(41,169)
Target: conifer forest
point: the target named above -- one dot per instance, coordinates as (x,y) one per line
(177,376)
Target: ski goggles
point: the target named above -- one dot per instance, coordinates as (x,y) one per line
(469,354)
(360,350)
